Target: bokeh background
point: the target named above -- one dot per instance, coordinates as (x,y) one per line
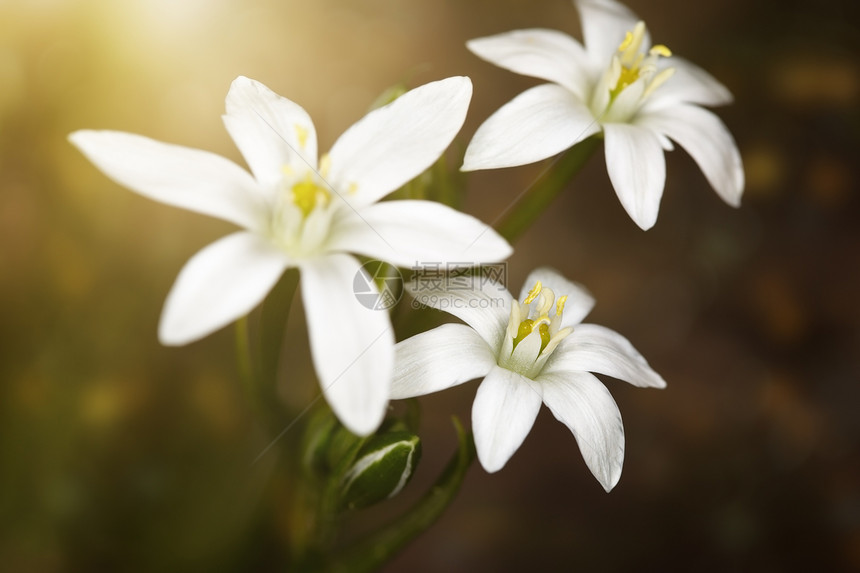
(117,453)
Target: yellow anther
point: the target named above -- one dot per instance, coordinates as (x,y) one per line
(559,305)
(660,50)
(628,39)
(353,188)
(301,134)
(533,294)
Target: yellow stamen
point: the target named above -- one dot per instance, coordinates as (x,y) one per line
(660,50)
(302,135)
(629,64)
(533,294)
(559,305)
(658,81)
(629,48)
(544,302)
(628,39)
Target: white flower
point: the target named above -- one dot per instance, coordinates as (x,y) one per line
(527,353)
(296,211)
(637,95)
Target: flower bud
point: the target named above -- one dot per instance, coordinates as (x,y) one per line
(380,470)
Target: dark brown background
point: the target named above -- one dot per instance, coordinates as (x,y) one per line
(117,452)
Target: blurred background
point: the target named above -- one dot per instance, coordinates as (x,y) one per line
(117,453)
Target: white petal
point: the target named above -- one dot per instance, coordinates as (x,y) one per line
(395,143)
(637,169)
(504,412)
(352,346)
(604,25)
(219,284)
(579,301)
(189,178)
(409,232)
(708,142)
(594,348)
(537,124)
(691,84)
(484,305)
(270,131)
(438,359)
(546,54)
(584,405)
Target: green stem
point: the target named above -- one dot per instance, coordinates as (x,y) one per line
(529,206)
(273,323)
(243,358)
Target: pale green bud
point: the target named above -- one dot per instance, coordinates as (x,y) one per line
(380,470)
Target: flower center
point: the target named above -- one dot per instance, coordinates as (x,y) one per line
(629,64)
(302,212)
(307,193)
(533,334)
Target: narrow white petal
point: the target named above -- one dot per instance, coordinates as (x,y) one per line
(352,346)
(538,123)
(604,24)
(691,84)
(637,169)
(438,359)
(482,304)
(270,131)
(395,143)
(196,180)
(503,413)
(579,301)
(219,284)
(580,402)
(708,142)
(408,232)
(594,348)
(546,54)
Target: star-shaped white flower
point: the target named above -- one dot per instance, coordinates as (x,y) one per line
(296,211)
(527,353)
(638,96)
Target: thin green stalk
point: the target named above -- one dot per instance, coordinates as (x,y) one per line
(273,323)
(243,359)
(523,213)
